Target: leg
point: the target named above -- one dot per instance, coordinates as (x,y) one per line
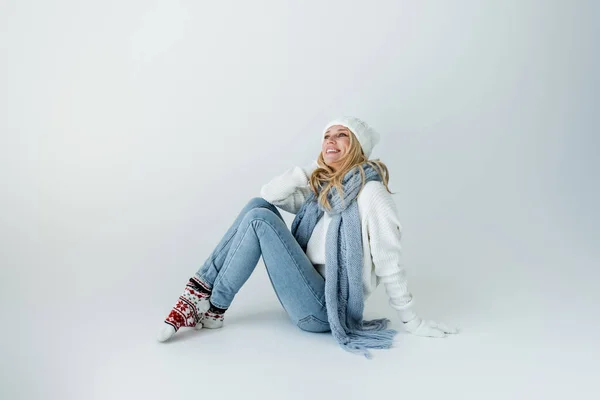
(213,264)
(298,285)
(193,305)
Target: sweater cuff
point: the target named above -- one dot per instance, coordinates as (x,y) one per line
(407,314)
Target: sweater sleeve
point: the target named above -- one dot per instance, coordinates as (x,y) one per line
(289,190)
(385,232)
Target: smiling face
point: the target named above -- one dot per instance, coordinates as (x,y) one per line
(336,143)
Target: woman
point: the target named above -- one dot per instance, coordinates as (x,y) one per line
(344,241)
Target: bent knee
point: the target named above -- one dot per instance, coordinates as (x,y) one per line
(256,202)
(310,323)
(266,213)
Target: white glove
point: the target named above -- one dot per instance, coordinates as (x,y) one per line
(420,327)
(309,168)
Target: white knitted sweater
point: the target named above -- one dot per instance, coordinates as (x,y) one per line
(381,233)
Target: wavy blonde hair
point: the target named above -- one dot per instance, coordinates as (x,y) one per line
(324,177)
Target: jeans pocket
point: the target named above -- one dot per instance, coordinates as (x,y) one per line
(311,323)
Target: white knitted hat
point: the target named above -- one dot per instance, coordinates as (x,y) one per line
(367,136)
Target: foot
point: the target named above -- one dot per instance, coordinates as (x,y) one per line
(167,331)
(213,318)
(188,311)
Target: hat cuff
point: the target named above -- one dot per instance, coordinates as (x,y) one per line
(366,148)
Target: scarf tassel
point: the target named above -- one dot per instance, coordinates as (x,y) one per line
(360,343)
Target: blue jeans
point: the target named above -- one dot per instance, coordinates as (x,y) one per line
(259,230)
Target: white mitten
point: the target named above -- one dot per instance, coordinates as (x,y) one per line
(420,327)
(309,168)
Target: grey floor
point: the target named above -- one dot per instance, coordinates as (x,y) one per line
(524,334)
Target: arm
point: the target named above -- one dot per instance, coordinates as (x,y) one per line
(385,233)
(289,190)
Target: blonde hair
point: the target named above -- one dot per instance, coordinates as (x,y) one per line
(324,178)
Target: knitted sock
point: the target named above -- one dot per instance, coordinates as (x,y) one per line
(189,309)
(213,318)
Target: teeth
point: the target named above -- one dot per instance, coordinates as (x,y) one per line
(332,151)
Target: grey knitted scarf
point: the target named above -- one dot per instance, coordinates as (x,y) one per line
(344,265)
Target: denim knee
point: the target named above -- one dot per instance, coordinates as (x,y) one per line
(257,202)
(260,203)
(264,213)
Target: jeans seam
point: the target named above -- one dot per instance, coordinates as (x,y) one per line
(294,260)
(275,290)
(216,254)
(313,317)
(224,270)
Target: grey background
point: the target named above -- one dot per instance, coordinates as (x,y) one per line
(132,132)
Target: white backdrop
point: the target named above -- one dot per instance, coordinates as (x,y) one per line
(132,132)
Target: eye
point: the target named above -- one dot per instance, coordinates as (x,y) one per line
(343,134)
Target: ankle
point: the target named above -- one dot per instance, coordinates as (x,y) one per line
(191,305)
(213,318)
(200,285)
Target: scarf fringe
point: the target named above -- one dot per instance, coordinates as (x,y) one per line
(372,335)
(360,342)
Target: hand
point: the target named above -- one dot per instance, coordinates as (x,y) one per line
(420,327)
(310,168)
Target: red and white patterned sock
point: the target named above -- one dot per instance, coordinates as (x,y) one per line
(189,309)
(213,318)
